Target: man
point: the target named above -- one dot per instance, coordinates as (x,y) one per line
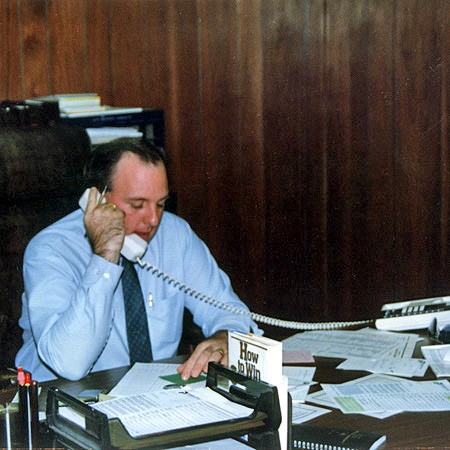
(73,313)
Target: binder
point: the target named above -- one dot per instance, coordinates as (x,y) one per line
(99,433)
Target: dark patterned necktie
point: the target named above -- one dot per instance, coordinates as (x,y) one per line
(135,315)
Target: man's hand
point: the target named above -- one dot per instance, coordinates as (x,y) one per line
(105,227)
(214,348)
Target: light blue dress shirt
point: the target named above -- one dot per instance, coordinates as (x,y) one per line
(73,316)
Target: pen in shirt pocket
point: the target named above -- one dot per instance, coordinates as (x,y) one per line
(150,300)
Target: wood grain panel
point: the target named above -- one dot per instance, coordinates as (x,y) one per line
(98,58)
(308,139)
(444,70)
(10,52)
(157,58)
(67,44)
(35,50)
(131,73)
(183,113)
(251,285)
(418,156)
(339,155)
(315,185)
(282,22)
(375,284)
(219,78)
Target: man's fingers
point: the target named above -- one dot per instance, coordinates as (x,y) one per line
(92,200)
(199,360)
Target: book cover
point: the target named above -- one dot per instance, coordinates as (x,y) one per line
(323,438)
(256,357)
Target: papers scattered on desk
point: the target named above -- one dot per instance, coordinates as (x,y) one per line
(221,444)
(299,381)
(438,357)
(162,411)
(322,398)
(403,367)
(302,413)
(364,343)
(406,395)
(143,378)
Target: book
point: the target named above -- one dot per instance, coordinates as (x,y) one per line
(107,134)
(324,438)
(82,105)
(69,100)
(105,110)
(261,359)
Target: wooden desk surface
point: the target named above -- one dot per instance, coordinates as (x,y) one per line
(408,430)
(419,430)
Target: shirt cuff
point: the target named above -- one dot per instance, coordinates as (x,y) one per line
(101,268)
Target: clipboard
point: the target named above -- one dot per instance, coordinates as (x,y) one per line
(97,432)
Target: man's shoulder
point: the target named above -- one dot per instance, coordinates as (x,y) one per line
(68,227)
(171,220)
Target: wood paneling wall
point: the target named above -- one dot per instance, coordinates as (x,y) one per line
(308,138)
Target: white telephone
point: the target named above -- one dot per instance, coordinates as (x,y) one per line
(133,246)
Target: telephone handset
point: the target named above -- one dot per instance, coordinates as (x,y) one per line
(133,246)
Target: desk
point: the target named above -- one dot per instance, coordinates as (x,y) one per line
(414,430)
(430,430)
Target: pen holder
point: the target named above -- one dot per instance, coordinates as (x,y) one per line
(11,435)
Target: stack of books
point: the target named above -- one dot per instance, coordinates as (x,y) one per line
(82,105)
(103,123)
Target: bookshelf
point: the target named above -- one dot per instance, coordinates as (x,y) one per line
(87,111)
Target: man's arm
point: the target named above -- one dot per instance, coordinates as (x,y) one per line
(70,292)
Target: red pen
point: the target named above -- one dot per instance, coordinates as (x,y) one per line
(28,409)
(20,376)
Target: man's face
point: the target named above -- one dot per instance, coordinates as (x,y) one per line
(140,189)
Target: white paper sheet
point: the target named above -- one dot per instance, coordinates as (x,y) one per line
(322,398)
(407,396)
(145,377)
(302,413)
(163,411)
(403,367)
(436,355)
(299,381)
(364,343)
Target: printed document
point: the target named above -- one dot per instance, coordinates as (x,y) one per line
(407,396)
(302,413)
(364,343)
(143,378)
(163,411)
(437,356)
(322,398)
(299,381)
(402,367)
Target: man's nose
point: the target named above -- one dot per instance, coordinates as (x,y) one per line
(151,216)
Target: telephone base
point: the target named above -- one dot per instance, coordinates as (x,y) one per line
(415,314)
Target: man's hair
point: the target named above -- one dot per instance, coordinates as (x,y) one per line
(100,167)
